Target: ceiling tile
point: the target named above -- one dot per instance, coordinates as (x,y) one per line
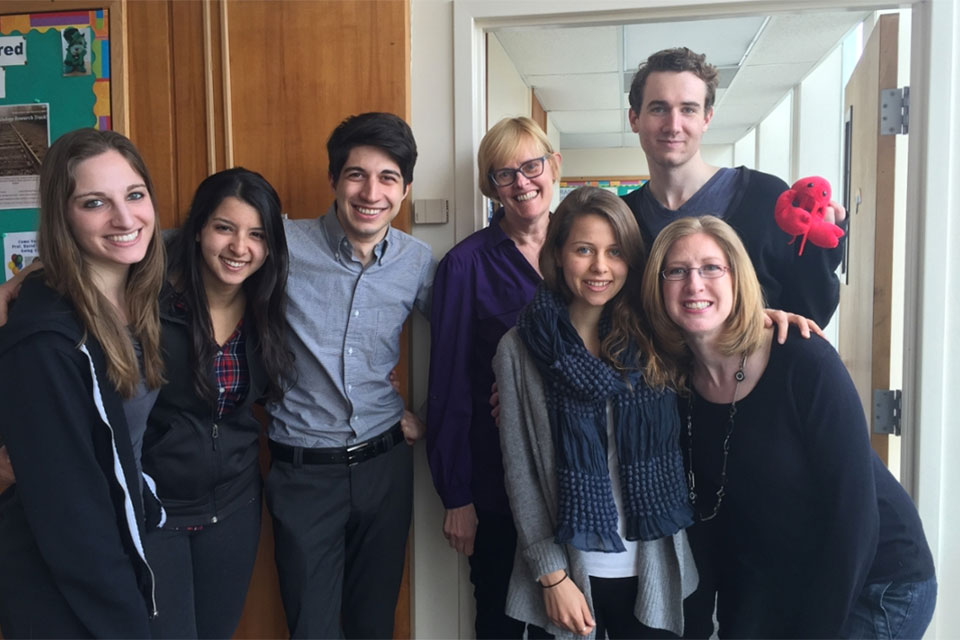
(587,121)
(723,41)
(557,51)
(805,37)
(574,92)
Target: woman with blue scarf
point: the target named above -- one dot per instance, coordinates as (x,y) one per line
(594,472)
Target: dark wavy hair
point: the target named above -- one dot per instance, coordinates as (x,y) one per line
(265,289)
(676,60)
(385,131)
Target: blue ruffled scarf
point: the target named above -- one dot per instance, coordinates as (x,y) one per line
(646,427)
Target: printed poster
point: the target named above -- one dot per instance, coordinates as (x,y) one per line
(19,251)
(25,138)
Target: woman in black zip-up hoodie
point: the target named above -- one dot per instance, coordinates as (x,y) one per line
(222,313)
(79,366)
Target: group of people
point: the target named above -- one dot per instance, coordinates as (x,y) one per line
(133,363)
(659,459)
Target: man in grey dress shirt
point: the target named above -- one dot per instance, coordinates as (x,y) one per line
(341,483)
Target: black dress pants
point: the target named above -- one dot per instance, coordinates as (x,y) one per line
(340,535)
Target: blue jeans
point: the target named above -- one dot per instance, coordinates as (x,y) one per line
(893,610)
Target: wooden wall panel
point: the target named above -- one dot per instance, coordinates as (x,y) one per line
(296,70)
(151,99)
(188,37)
(293,70)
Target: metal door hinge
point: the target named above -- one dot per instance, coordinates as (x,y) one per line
(886,411)
(894,111)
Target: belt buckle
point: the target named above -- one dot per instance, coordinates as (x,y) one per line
(354,453)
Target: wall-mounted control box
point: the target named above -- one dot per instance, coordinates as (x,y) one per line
(431,211)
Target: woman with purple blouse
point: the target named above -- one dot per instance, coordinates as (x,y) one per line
(480,287)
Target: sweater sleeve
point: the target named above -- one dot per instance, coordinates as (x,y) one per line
(838,448)
(810,283)
(529,458)
(450,409)
(62,487)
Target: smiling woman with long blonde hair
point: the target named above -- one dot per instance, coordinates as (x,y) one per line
(802,531)
(79,367)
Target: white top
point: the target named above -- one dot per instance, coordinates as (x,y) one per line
(600,564)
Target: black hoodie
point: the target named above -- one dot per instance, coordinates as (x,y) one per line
(71,558)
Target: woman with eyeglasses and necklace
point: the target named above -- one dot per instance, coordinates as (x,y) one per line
(802,532)
(479,289)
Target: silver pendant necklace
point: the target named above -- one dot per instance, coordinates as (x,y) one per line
(691,481)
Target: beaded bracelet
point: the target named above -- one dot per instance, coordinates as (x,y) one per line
(551,586)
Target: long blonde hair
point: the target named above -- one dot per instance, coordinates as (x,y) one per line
(66,271)
(743,330)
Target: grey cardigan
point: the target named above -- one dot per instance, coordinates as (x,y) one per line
(668,573)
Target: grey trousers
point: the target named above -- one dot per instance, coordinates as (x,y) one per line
(340,534)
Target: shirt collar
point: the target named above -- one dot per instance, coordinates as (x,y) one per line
(339,243)
(495,233)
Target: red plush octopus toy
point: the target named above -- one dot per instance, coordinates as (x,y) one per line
(800,211)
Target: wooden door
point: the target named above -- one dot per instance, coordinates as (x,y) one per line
(866,296)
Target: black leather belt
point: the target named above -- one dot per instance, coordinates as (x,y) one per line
(351,455)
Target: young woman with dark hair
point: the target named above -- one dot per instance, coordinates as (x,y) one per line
(222,312)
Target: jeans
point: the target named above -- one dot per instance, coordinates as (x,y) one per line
(202,575)
(893,610)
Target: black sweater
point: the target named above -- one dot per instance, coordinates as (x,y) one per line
(803,284)
(205,468)
(811,514)
(71,561)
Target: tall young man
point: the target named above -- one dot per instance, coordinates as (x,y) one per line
(671,105)
(341,485)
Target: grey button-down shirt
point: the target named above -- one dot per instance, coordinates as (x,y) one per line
(345,320)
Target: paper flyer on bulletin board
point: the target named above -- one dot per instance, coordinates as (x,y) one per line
(19,251)
(25,138)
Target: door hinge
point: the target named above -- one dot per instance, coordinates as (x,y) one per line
(886,411)
(894,111)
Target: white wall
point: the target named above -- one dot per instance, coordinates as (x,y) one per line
(745,150)
(440,599)
(628,161)
(774,140)
(818,126)
(508,96)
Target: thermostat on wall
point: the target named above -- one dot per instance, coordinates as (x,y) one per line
(430,211)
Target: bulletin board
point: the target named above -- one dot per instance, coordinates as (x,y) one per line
(54,78)
(618,185)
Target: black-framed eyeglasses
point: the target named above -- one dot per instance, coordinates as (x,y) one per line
(508,175)
(708,271)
